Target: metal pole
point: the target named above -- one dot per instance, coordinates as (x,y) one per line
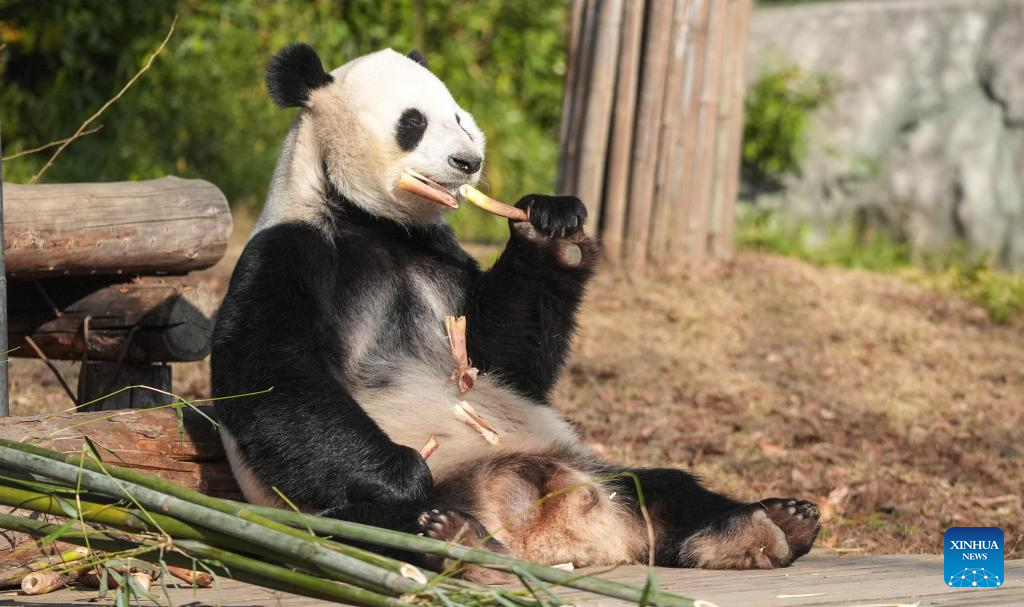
(5,409)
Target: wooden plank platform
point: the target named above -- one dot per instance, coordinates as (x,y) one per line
(816,580)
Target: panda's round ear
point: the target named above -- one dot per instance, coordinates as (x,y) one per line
(293,73)
(418,57)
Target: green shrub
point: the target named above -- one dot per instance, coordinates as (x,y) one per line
(776,122)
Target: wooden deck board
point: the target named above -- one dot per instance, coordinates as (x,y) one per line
(823,580)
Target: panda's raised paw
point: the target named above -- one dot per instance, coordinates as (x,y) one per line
(554,216)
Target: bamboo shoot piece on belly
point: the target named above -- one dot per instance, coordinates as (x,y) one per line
(428,449)
(465,373)
(465,413)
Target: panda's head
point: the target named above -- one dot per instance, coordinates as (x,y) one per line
(375,118)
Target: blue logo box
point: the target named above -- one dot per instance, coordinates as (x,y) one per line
(973,557)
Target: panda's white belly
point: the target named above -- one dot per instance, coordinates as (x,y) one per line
(419,404)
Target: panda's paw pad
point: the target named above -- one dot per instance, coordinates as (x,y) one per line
(798,519)
(449,526)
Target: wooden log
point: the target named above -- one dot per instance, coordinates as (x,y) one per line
(614,221)
(143,439)
(723,246)
(645,146)
(594,147)
(168,225)
(143,321)
(669,178)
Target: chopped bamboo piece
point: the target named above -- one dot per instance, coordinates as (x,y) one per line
(491,205)
(41,582)
(468,415)
(465,373)
(428,449)
(12,576)
(200,579)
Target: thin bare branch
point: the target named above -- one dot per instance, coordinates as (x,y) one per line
(106,105)
(49,145)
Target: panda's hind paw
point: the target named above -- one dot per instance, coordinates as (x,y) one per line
(798,519)
(465,529)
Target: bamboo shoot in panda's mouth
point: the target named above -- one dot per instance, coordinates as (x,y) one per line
(426,188)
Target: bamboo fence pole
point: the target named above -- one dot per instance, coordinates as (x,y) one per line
(613,223)
(594,147)
(572,69)
(723,246)
(645,145)
(723,134)
(689,135)
(568,181)
(668,180)
(703,175)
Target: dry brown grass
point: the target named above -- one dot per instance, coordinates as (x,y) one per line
(897,408)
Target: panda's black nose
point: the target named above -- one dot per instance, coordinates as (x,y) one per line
(466,164)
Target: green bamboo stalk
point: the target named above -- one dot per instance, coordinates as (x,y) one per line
(368,534)
(132,520)
(240,524)
(128,519)
(416,543)
(232,565)
(119,518)
(260,573)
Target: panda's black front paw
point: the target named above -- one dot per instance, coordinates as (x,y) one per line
(554,216)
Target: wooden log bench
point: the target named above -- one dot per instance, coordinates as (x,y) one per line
(98,272)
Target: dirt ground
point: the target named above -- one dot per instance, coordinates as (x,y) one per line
(899,410)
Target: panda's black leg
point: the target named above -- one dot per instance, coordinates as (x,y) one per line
(763,535)
(696,527)
(462,528)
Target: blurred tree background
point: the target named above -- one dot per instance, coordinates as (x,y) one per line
(202,110)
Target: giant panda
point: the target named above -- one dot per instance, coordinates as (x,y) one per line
(337,304)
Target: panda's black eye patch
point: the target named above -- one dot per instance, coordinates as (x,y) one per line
(410,129)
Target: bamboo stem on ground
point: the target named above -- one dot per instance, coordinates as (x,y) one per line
(239,523)
(351,531)
(413,543)
(240,568)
